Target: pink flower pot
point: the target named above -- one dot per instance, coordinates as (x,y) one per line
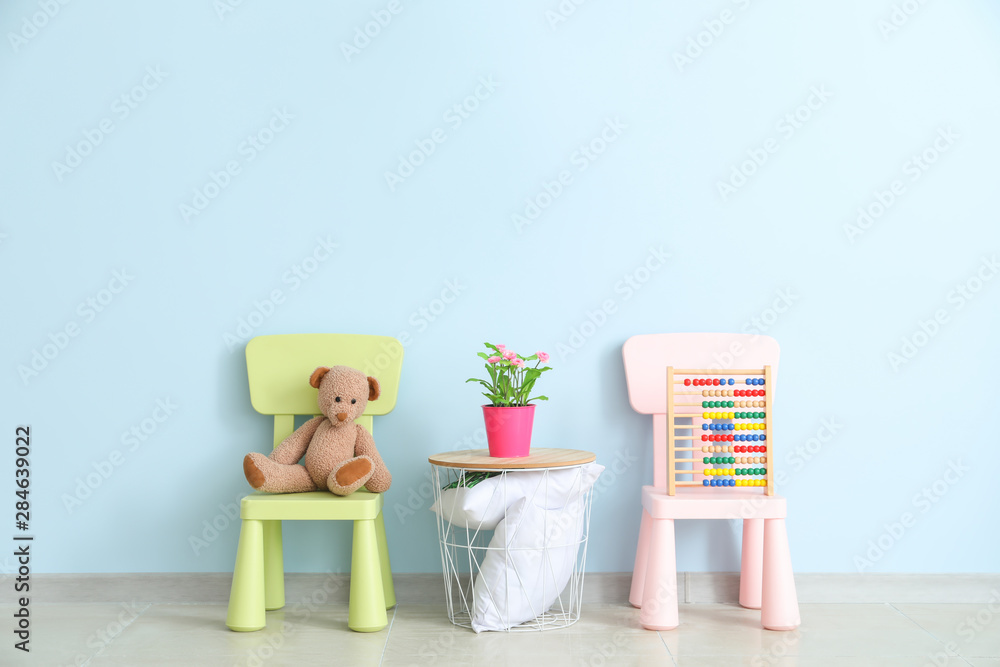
(508,430)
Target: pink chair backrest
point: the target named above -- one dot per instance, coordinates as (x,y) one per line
(646,360)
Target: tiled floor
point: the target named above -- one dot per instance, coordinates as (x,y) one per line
(724,635)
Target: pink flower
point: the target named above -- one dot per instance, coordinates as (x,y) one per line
(501,347)
(510,355)
(493,360)
(542,356)
(517,362)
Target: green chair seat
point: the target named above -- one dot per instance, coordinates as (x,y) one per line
(314,505)
(278,368)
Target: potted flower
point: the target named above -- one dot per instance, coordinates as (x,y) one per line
(510,414)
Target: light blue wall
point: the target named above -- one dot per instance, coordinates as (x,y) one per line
(678,129)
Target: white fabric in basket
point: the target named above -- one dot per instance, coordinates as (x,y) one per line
(541,550)
(482,506)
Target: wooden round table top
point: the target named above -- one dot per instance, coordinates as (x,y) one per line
(540,457)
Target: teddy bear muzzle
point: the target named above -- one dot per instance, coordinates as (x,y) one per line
(341,416)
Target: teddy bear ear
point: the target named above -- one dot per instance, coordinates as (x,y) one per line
(317,376)
(373,389)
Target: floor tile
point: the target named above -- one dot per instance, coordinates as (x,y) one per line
(972,630)
(827,630)
(807,661)
(710,635)
(197,634)
(70,633)
(606,634)
(895,588)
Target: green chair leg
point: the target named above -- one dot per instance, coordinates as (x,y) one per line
(383,556)
(367,606)
(246,598)
(274,567)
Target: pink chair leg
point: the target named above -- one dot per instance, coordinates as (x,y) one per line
(752,563)
(659,591)
(641,559)
(779,608)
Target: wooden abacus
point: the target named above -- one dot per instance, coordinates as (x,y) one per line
(721,427)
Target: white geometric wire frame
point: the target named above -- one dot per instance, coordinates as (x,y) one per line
(465,549)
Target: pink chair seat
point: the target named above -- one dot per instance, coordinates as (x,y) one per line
(709,503)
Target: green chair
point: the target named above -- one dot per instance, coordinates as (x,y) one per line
(279,369)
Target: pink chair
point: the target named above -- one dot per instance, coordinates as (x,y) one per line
(766,580)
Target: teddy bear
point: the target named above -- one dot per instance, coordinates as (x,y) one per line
(339,454)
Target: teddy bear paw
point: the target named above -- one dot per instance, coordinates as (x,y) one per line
(252,470)
(350,476)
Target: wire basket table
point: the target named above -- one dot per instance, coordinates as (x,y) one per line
(520,561)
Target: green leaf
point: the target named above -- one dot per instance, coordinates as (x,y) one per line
(482,382)
(539,398)
(484,355)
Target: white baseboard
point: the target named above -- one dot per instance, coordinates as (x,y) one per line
(599,588)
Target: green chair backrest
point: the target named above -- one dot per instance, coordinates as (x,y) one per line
(279,368)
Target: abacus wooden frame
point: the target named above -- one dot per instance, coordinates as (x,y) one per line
(672,437)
